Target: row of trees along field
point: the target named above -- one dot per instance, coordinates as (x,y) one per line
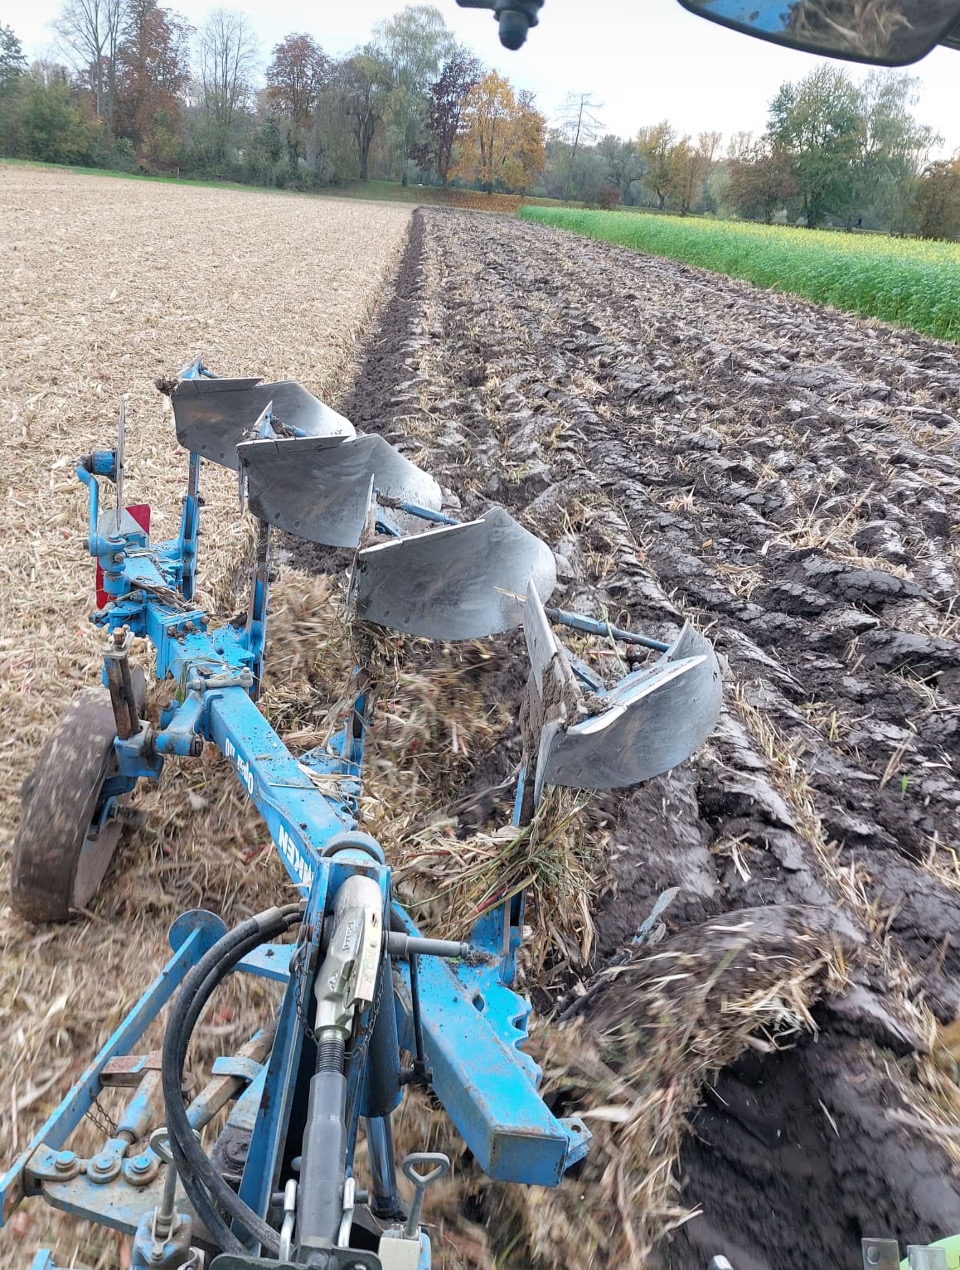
(835,152)
(139,88)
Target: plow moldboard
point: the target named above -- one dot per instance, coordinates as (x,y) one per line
(214,415)
(449,583)
(654,720)
(319,487)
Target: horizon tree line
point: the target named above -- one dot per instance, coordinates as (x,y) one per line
(141,89)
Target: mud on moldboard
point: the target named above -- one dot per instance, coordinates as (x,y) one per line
(789,477)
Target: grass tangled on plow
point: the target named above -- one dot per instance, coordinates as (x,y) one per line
(552,860)
(658,1028)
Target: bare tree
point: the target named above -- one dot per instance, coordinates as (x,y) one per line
(228,62)
(89,32)
(580,126)
(708,147)
(48,73)
(578,121)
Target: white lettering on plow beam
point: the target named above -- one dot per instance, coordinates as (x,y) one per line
(285,843)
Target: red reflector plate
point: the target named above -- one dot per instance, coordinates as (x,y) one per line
(141,514)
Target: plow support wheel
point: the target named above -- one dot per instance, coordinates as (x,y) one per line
(64,843)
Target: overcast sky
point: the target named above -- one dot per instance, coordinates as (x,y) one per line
(644,59)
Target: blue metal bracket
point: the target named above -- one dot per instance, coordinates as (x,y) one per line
(186,542)
(473,1023)
(118,1203)
(269,961)
(473,1026)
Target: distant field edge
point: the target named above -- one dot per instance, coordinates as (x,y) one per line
(155,178)
(372,191)
(902,281)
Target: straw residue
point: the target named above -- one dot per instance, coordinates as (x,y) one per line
(108,285)
(648,1035)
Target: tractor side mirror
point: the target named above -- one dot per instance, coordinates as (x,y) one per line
(882,32)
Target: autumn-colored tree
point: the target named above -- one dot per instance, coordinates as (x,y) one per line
(152,71)
(653,146)
(295,78)
(448,95)
(504,136)
(531,132)
(683,176)
(687,167)
(488,143)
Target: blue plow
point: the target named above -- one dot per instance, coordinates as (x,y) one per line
(370,1004)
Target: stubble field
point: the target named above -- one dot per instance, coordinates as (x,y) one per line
(106,286)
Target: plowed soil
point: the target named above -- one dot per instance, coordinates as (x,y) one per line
(788,478)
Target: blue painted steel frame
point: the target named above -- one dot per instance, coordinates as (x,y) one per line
(272,1124)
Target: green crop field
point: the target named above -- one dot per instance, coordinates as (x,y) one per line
(916,284)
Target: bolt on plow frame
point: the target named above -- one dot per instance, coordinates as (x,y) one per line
(370,1005)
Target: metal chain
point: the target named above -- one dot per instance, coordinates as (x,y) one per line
(308,1031)
(101,1118)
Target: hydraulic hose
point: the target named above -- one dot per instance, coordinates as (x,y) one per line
(231,951)
(201,1201)
(191,1184)
(197,1173)
(190,1159)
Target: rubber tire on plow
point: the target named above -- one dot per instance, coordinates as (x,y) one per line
(58,861)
